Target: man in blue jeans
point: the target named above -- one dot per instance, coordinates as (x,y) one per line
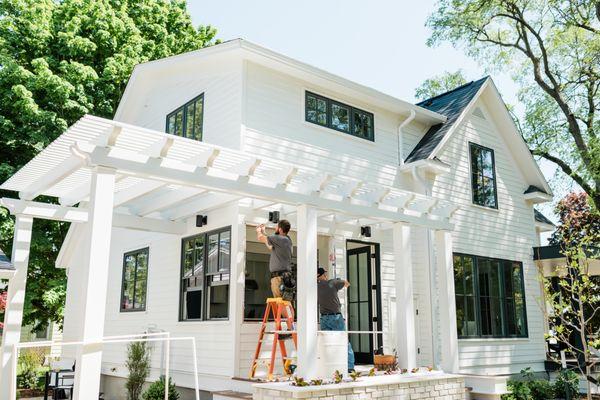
(330,307)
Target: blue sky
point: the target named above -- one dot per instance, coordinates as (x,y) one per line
(378,43)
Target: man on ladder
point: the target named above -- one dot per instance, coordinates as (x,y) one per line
(280,261)
(280,306)
(330,307)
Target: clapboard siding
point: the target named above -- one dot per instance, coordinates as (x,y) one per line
(275,127)
(216,356)
(506,233)
(158,93)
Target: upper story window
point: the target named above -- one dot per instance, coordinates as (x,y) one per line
(341,117)
(490,297)
(135,279)
(187,120)
(483,176)
(205,269)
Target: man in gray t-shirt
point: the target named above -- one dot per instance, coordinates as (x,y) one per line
(330,307)
(280,261)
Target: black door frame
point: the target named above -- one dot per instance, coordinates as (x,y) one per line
(373,251)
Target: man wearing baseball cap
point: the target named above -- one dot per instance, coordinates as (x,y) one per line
(330,307)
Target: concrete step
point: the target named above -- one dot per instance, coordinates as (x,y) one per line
(231,395)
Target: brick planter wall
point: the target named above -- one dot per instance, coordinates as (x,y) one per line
(444,387)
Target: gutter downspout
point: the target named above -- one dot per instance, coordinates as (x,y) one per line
(404,123)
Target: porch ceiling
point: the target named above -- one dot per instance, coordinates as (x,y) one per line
(162,177)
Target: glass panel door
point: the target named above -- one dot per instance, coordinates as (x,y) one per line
(360,305)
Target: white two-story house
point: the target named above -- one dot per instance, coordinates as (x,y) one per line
(447,188)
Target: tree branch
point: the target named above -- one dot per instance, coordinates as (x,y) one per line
(566,168)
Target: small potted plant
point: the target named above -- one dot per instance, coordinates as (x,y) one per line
(385,362)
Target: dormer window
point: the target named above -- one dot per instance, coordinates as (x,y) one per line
(187,120)
(341,117)
(483,176)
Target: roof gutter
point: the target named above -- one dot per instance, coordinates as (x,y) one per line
(404,123)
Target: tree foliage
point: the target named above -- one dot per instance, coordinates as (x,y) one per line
(61,59)
(440,84)
(573,294)
(552,48)
(138,365)
(2,307)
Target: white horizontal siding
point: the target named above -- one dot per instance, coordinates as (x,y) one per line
(156,94)
(506,233)
(275,127)
(216,355)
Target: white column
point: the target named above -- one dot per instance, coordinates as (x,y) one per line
(406,347)
(447,302)
(238,282)
(13,314)
(93,281)
(307,291)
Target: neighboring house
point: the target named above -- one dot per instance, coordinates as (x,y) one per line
(447,186)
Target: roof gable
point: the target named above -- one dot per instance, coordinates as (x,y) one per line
(457,103)
(452,104)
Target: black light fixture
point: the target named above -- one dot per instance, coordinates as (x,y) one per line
(365,231)
(274,216)
(201,220)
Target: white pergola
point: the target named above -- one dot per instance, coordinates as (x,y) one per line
(122,175)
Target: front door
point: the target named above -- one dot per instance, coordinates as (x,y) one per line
(363,300)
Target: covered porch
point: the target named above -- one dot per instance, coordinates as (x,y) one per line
(106,175)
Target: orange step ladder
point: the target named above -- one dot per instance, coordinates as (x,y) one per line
(282,312)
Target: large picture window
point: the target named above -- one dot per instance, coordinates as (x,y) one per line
(341,117)
(205,266)
(483,176)
(490,297)
(135,280)
(187,120)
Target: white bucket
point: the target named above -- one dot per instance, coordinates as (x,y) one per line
(332,353)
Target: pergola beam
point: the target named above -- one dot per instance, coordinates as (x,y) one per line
(78,215)
(200,178)
(53,176)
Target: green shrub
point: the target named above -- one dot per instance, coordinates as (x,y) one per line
(541,389)
(566,380)
(519,390)
(156,391)
(138,364)
(529,388)
(30,369)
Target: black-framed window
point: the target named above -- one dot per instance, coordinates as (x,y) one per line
(341,117)
(187,120)
(135,280)
(483,176)
(490,297)
(205,266)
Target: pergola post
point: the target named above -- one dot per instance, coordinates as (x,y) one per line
(405,311)
(13,314)
(447,309)
(307,326)
(93,281)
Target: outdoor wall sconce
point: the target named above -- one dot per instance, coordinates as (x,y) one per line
(365,231)
(201,220)
(274,216)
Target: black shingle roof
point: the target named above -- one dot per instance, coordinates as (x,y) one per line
(5,262)
(532,189)
(539,217)
(450,104)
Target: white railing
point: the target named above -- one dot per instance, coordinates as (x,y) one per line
(145,337)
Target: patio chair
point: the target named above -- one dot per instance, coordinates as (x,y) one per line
(60,379)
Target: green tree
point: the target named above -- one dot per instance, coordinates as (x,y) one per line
(61,59)
(138,365)
(440,84)
(552,49)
